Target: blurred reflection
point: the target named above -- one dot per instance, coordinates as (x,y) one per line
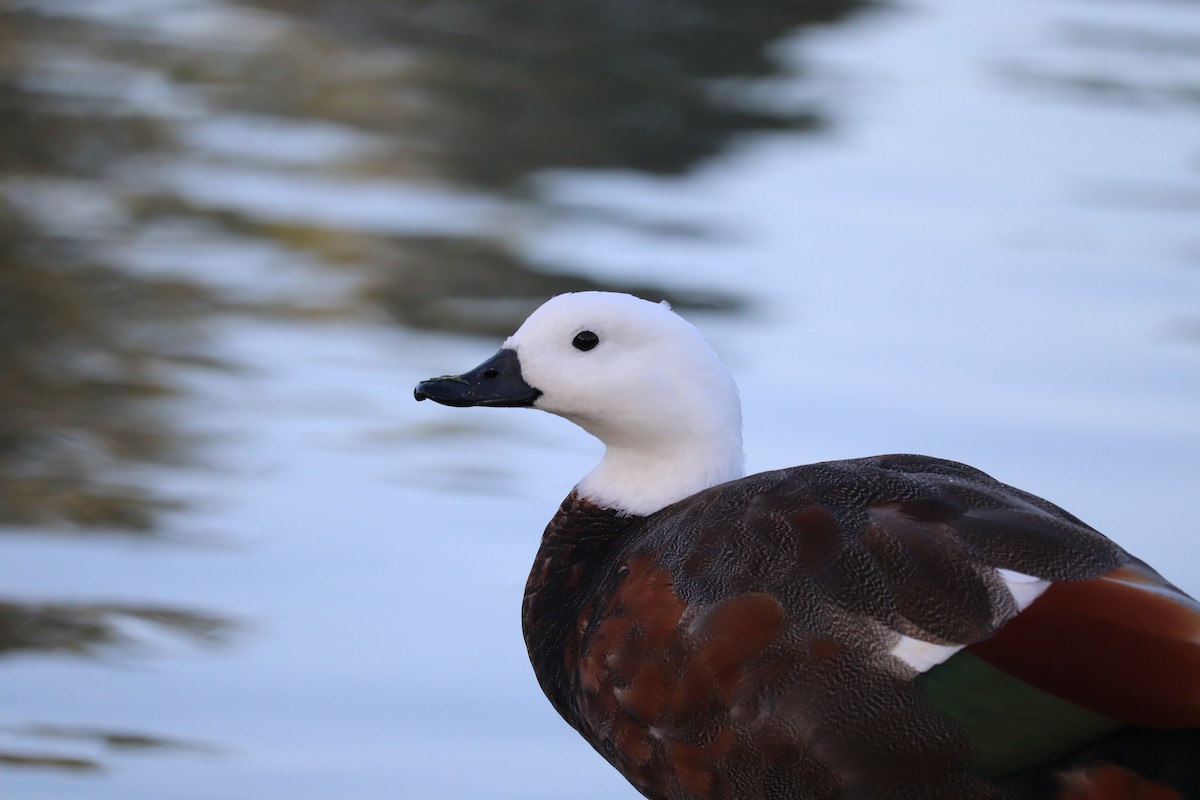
(89,629)
(497,90)
(82,343)
(49,761)
(106,740)
(81,386)
(84,628)
(1142,67)
(507,87)
(87,356)
(117,740)
(1138,66)
(480,287)
(81,389)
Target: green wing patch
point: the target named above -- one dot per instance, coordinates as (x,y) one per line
(1012,724)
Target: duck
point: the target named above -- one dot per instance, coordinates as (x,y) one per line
(895,627)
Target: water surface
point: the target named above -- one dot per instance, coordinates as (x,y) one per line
(240,562)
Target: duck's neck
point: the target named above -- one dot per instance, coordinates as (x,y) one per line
(639,478)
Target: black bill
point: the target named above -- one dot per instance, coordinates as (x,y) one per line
(495,382)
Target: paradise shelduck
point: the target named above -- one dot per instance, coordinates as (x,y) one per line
(879,628)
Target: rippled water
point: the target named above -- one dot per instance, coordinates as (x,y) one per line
(240,562)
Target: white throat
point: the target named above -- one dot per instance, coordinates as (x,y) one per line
(651,462)
(638,481)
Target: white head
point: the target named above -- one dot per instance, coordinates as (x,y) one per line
(642,380)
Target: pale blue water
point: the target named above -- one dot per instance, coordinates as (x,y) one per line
(980,260)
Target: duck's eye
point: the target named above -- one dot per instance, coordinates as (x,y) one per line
(585,340)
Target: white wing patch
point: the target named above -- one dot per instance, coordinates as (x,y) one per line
(922,656)
(1025,588)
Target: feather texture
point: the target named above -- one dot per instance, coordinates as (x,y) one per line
(741,644)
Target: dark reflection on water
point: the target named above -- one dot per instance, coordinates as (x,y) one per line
(1099,70)
(87,355)
(115,739)
(50,761)
(57,132)
(82,347)
(110,741)
(489,93)
(82,343)
(507,87)
(82,629)
(93,629)
(502,89)
(490,290)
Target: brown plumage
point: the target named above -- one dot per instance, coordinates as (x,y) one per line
(732,645)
